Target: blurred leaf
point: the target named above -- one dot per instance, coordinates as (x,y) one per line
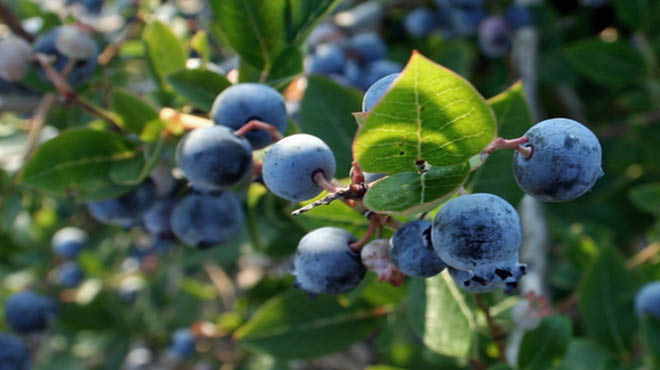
(430,113)
(135,113)
(409,192)
(613,64)
(302,16)
(545,346)
(199,86)
(634,13)
(646,197)
(104,312)
(442,315)
(285,68)
(200,43)
(134,171)
(606,301)
(78,162)
(293,325)
(651,337)
(11,207)
(326,112)
(585,354)
(514,118)
(167,54)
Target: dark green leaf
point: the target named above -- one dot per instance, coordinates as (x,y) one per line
(545,346)
(167,54)
(293,325)
(633,13)
(302,16)
(585,354)
(134,171)
(606,301)
(326,112)
(199,86)
(134,112)
(612,64)
(646,197)
(651,337)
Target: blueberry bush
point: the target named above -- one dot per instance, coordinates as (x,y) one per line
(329,184)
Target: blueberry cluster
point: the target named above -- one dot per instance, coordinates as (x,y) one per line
(67,243)
(359,60)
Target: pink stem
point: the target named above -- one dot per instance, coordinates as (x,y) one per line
(259,125)
(515,144)
(320,180)
(357,245)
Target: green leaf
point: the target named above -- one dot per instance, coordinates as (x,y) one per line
(78,162)
(585,354)
(442,315)
(545,346)
(410,192)
(431,114)
(651,337)
(134,171)
(253,28)
(134,112)
(199,86)
(514,118)
(200,43)
(612,64)
(326,111)
(303,15)
(646,197)
(167,54)
(293,325)
(632,12)
(606,301)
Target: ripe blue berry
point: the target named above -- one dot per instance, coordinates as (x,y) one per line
(377,70)
(83,68)
(325,264)
(14,354)
(412,252)
(206,220)
(647,300)
(419,22)
(127,210)
(157,219)
(376,91)
(565,161)
(367,47)
(518,16)
(328,59)
(183,343)
(291,163)
(213,158)
(15,57)
(27,312)
(494,36)
(68,242)
(241,103)
(69,275)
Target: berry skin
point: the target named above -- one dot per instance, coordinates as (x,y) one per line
(419,22)
(27,312)
(157,219)
(213,158)
(83,68)
(127,210)
(291,163)
(15,55)
(69,275)
(183,343)
(14,354)
(565,161)
(75,43)
(494,36)
(206,220)
(376,91)
(647,300)
(367,47)
(518,16)
(325,264)
(328,59)
(241,103)
(68,242)
(412,252)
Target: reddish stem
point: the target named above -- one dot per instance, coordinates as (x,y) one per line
(319,179)
(515,144)
(357,245)
(14,23)
(495,330)
(356,174)
(61,84)
(259,125)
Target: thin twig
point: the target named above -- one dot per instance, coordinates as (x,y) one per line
(113,49)
(254,124)
(222,283)
(495,330)
(14,23)
(644,255)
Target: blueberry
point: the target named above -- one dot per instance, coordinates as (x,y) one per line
(14,354)
(325,264)
(290,164)
(7,87)
(412,252)
(206,220)
(129,288)
(157,219)
(92,6)
(518,16)
(27,312)
(647,300)
(68,242)
(69,275)
(379,69)
(213,158)
(465,21)
(367,47)
(15,56)
(476,229)
(328,59)
(494,36)
(241,103)
(355,74)
(82,70)
(376,91)
(183,343)
(127,210)
(565,161)
(323,33)
(419,22)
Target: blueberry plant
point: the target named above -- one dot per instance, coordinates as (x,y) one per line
(270,184)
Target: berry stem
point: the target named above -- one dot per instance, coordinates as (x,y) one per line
(515,144)
(495,330)
(186,121)
(259,125)
(373,222)
(319,179)
(14,23)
